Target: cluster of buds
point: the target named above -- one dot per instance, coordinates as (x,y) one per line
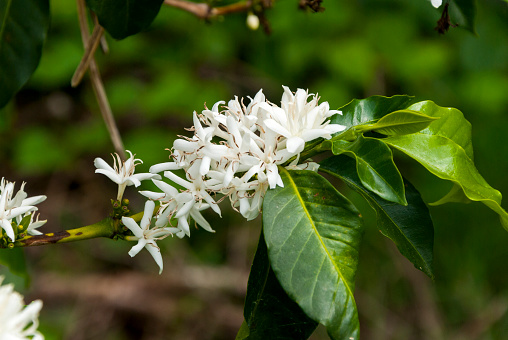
(234,152)
(17,212)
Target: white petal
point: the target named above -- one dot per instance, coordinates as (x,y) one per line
(147,215)
(8,229)
(101,164)
(137,248)
(111,175)
(436,3)
(184,145)
(204,167)
(164,167)
(295,145)
(203,223)
(183,225)
(156,254)
(276,127)
(177,180)
(133,226)
(33,200)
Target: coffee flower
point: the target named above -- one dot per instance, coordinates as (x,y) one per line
(18,322)
(14,207)
(122,172)
(146,236)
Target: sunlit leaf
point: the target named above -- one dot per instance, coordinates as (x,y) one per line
(313,234)
(23,29)
(122,18)
(401,122)
(269,312)
(447,160)
(409,227)
(360,111)
(375,167)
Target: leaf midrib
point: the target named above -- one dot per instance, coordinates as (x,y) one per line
(297,193)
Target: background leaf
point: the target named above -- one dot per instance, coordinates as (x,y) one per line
(14,260)
(313,234)
(268,311)
(122,18)
(23,29)
(375,167)
(463,12)
(409,227)
(447,160)
(360,111)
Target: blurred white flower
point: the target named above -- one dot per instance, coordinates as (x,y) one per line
(122,173)
(15,208)
(17,321)
(252,21)
(436,3)
(145,236)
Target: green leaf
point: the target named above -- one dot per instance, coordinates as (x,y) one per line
(23,29)
(463,13)
(313,235)
(14,260)
(451,124)
(409,227)
(375,167)
(454,126)
(122,18)
(360,111)
(269,312)
(447,160)
(401,122)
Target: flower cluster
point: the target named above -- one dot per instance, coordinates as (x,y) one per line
(18,322)
(234,152)
(16,207)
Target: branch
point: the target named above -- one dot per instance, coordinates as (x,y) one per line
(98,86)
(104,228)
(205,11)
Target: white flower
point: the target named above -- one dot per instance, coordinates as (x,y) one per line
(123,172)
(436,3)
(300,121)
(15,208)
(145,236)
(18,322)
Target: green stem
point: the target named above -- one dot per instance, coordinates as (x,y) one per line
(104,228)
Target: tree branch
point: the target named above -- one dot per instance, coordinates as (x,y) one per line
(104,228)
(98,86)
(205,11)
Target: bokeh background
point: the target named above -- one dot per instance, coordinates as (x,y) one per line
(50,134)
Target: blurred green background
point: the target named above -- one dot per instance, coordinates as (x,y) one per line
(51,133)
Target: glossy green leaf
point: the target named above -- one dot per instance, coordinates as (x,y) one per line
(447,160)
(23,29)
(463,13)
(313,234)
(401,122)
(375,167)
(14,260)
(122,18)
(454,126)
(360,111)
(451,124)
(269,312)
(409,227)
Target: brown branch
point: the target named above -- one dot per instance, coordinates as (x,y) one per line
(205,11)
(90,49)
(98,86)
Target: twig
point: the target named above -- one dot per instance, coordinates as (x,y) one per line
(104,42)
(205,11)
(90,49)
(98,86)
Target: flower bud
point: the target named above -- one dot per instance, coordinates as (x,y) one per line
(252,21)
